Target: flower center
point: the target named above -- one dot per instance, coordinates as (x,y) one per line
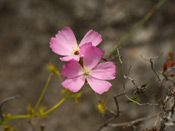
(76,52)
(76,49)
(87,71)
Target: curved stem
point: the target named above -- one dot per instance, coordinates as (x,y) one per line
(17,117)
(42,114)
(54,107)
(43,92)
(36,115)
(137,26)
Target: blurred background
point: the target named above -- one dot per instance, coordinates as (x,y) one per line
(26,27)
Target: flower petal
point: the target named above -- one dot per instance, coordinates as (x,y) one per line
(104,71)
(91,36)
(99,86)
(74,84)
(63,42)
(68,58)
(92,56)
(72,69)
(84,47)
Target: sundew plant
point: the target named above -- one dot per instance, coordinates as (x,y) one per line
(89,69)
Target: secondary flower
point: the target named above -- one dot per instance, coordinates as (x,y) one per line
(92,71)
(65,43)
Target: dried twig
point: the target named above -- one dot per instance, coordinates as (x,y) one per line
(133,82)
(167,113)
(152,67)
(124,93)
(137,26)
(4,101)
(117,104)
(115,115)
(140,104)
(131,123)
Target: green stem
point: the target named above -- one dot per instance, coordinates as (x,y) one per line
(39,115)
(137,26)
(54,107)
(17,117)
(43,92)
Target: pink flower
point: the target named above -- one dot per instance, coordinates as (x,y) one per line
(93,72)
(65,43)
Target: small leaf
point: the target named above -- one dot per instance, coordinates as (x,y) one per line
(144,85)
(165,66)
(171,75)
(134,99)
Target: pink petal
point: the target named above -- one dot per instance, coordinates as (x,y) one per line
(59,48)
(104,71)
(72,69)
(68,58)
(92,56)
(63,42)
(99,86)
(74,84)
(84,47)
(91,36)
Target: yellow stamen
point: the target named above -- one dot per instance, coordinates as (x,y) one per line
(87,71)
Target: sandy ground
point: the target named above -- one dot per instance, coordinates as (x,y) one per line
(26,27)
